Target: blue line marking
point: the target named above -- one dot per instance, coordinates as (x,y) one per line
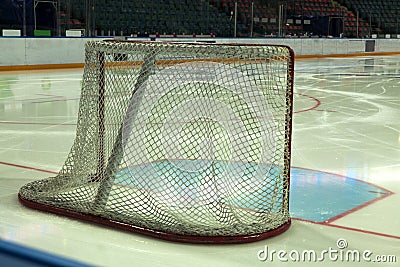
(12,254)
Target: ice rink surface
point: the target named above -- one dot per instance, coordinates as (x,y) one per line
(345,159)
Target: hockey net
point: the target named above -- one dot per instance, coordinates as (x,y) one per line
(182,141)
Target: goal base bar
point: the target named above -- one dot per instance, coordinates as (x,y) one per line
(154,233)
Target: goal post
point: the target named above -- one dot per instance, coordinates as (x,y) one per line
(186,142)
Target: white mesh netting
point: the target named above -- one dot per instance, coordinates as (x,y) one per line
(184,141)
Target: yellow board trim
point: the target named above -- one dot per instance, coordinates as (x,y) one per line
(81,65)
(41,67)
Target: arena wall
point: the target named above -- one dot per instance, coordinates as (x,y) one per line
(33,53)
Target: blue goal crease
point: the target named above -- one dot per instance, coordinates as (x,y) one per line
(314,195)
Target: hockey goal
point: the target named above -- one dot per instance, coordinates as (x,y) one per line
(182,141)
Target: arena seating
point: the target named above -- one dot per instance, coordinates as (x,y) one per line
(384,15)
(158,16)
(358,18)
(332,9)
